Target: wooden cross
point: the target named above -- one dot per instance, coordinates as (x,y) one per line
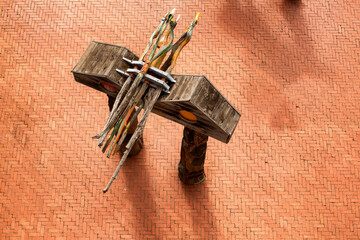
(193,102)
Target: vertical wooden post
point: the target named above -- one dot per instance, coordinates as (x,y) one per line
(193,151)
(139,143)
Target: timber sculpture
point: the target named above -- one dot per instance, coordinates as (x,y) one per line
(148,85)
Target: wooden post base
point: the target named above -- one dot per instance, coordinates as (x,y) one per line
(138,144)
(193,151)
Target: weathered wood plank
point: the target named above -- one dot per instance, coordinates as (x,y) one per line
(193,152)
(197,95)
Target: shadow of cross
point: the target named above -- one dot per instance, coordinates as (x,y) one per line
(192,102)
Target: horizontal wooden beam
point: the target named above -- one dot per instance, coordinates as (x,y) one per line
(193,101)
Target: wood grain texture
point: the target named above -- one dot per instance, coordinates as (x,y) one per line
(193,153)
(99,63)
(216,117)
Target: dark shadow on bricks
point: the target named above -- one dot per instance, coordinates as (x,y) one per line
(285,55)
(202,210)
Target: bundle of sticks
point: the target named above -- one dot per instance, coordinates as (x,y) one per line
(141,89)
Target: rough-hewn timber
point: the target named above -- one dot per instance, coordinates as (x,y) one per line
(193,151)
(216,117)
(99,63)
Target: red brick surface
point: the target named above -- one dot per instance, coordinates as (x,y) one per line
(291,170)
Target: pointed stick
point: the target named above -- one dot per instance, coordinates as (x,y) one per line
(133,139)
(115,130)
(123,136)
(123,124)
